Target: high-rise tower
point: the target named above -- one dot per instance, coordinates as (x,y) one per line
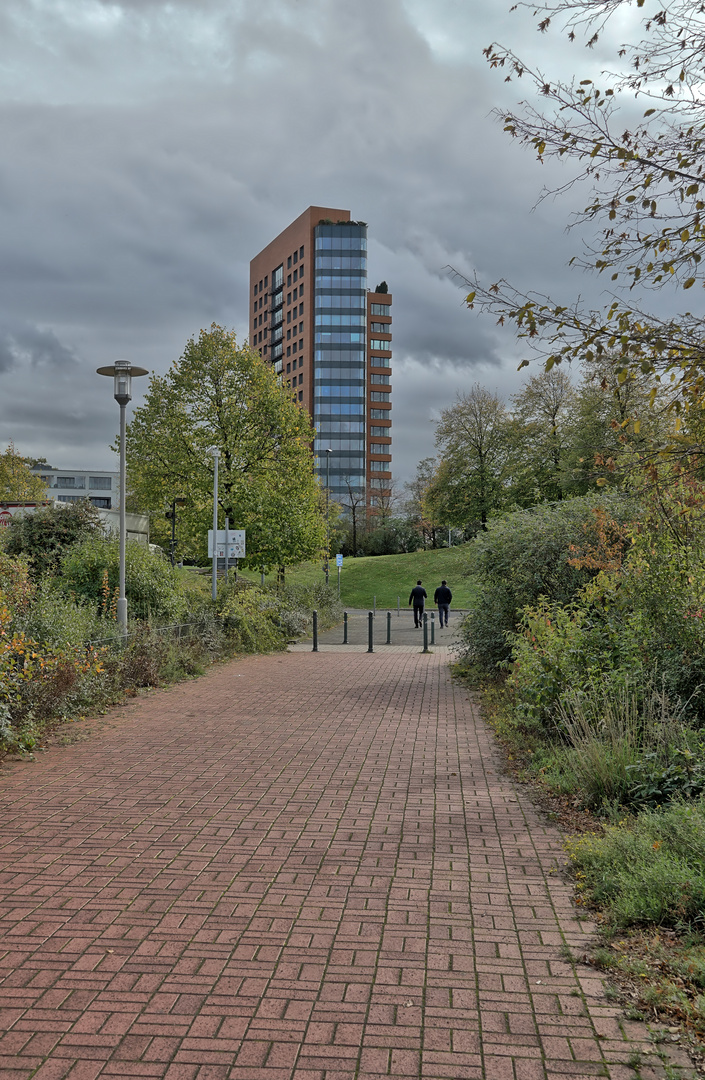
(329,338)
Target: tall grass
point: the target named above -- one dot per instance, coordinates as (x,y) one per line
(609,730)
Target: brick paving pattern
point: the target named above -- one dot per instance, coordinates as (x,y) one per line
(300,867)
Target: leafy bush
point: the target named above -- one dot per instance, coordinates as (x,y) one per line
(526,555)
(573,647)
(288,608)
(662,583)
(657,778)
(45,536)
(15,583)
(151,584)
(297,603)
(251,616)
(650,870)
(47,672)
(35,681)
(640,619)
(55,619)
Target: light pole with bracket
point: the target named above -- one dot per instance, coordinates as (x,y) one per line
(171,516)
(328,454)
(122,373)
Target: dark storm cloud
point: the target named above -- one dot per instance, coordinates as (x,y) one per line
(150,149)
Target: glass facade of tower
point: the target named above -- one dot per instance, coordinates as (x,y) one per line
(340,290)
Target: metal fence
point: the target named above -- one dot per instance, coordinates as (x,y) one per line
(180,631)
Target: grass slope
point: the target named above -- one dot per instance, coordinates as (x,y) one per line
(388,576)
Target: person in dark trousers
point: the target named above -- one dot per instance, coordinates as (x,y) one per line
(417,597)
(443,597)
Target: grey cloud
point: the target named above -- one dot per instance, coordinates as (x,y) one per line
(32,346)
(149,155)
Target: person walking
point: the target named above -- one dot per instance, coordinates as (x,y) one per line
(443,597)
(417,597)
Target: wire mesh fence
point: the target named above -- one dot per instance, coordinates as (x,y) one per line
(180,631)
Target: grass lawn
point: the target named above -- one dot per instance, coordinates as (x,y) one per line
(388,576)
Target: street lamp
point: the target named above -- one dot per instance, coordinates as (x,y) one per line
(214,574)
(122,373)
(171,516)
(328,454)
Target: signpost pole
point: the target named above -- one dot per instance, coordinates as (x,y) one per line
(339,564)
(214,576)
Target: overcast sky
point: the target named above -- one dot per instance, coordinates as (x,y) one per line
(150,149)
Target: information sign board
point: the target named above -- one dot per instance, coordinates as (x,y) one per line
(236,544)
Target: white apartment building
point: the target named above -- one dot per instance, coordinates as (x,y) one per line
(71,485)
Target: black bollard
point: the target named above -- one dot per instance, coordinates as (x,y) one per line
(433,628)
(370,632)
(345,628)
(425,633)
(315,632)
(389,628)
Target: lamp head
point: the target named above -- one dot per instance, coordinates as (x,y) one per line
(122,372)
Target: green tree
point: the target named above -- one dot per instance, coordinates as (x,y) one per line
(220,395)
(354,503)
(540,437)
(618,431)
(470,480)
(420,510)
(18,484)
(645,198)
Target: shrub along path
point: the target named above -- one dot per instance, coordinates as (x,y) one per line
(299,867)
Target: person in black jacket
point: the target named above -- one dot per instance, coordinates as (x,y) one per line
(443,597)
(417,597)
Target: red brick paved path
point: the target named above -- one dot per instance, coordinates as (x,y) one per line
(304,866)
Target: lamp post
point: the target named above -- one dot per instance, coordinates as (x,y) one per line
(171,516)
(214,576)
(122,372)
(328,454)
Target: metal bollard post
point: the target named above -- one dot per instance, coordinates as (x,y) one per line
(425,633)
(345,628)
(315,632)
(370,631)
(433,628)
(389,628)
